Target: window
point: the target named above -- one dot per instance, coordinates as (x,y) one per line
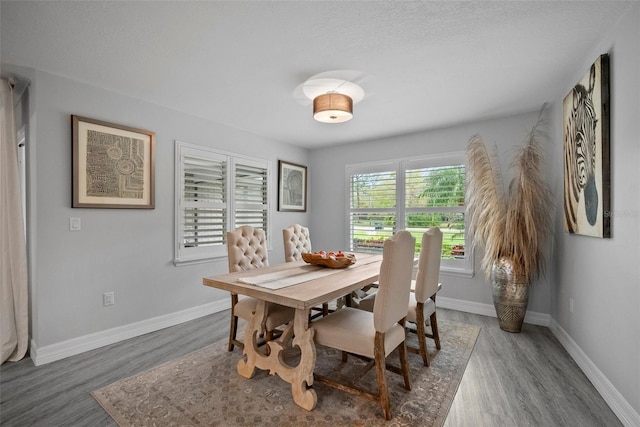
(413,195)
(216,192)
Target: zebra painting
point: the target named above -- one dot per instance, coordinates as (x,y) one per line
(586,154)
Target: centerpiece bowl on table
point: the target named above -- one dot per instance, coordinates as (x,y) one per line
(329,259)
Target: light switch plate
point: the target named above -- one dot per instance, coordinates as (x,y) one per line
(74,224)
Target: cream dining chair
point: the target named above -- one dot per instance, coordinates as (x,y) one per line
(375,335)
(422,301)
(297,241)
(246,248)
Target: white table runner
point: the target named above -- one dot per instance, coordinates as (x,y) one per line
(282,279)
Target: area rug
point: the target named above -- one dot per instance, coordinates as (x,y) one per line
(204,389)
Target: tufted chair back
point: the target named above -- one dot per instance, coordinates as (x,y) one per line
(247,248)
(296,242)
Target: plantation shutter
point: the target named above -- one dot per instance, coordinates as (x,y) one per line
(411,194)
(203,204)
(434,197)
(250,191)
(435,187)
(216,192)
(372,209)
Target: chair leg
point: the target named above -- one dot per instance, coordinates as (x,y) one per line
(233,328)
(232,332)
(381,375)
(325,309)
(422,339)
(434,329)
(404,362)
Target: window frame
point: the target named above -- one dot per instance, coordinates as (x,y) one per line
(187,256)
(460,267)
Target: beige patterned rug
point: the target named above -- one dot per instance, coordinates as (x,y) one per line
(204,389)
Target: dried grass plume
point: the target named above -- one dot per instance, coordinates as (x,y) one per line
(514,225)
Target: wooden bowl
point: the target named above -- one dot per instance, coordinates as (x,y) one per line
(329,261)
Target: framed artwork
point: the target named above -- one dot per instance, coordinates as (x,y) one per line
(292,187)
(113,165)
(587,175)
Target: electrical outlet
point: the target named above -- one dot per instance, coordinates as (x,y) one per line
(570,305)
(108,298)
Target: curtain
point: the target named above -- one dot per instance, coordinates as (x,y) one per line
(14,310)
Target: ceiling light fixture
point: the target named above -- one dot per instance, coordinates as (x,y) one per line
(332,108)
(333,94)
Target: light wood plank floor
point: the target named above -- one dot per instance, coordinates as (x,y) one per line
(524,379)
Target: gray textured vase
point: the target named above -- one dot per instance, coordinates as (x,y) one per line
(510,295)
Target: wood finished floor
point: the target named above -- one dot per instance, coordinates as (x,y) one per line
(524,379)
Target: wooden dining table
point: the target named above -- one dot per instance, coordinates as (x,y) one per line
(300,286)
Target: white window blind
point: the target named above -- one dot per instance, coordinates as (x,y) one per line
(410,194)
(205,202)
(372,209)
(434,197)
(250,189)
(216,192)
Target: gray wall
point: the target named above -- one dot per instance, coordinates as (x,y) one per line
(603,275)
(127,251)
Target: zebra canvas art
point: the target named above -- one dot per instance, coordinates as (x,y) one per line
(586,153)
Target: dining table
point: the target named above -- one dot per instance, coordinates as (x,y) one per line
(301,286)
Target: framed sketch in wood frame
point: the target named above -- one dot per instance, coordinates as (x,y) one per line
(113,165)
(587,182)
(292,187)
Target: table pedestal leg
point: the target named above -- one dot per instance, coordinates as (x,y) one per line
(301,376)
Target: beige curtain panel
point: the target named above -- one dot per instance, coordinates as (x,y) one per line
(14,314)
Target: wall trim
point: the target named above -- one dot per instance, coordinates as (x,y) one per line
(618,404)
(532,317)
(61,350)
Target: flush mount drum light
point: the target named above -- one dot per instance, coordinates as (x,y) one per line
(333,94)
(332,108)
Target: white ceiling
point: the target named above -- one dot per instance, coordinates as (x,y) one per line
(428,64)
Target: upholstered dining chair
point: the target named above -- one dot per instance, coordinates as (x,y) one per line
(422,301)
(297,241)
(375,335)
(247,249)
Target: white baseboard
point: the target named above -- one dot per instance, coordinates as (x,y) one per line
(618,404)
(532,317)
(53,352)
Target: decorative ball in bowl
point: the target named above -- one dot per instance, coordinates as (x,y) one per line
(329,259)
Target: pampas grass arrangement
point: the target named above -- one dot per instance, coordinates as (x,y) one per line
(514,225)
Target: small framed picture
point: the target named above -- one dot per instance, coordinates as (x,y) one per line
(113,165)
(292,187)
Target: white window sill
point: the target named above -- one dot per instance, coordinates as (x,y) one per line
(460,272)
(185,262)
